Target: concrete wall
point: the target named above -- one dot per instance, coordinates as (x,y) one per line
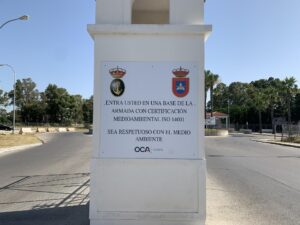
(182,182)
(113,11)
(186,11)
(148,17)
(150,11)
(147,43)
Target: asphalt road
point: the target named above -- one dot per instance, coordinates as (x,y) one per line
(46,185)
(252,183)
(248,183)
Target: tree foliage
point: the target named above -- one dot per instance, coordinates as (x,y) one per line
(26,98)
(211,80)
(87,110)
(3,104)
(54,105)
(258,102)
(3,98)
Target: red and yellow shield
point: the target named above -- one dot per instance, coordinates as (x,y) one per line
(180,84)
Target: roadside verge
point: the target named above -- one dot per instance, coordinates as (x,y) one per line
(269,141)
(21,147)
(12,142)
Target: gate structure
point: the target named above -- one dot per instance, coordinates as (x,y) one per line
(148,161)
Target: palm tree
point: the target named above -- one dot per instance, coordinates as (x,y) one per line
(207,72)
(259,100)
(272,91)
(289,90)
(210,81)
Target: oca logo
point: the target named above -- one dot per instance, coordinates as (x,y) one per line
(142,149)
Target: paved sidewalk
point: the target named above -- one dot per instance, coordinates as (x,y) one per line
(277,142)
(267,138)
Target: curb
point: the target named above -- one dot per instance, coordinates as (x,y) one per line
(21,147)
(277,143)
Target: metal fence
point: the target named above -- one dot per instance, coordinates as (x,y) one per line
(291,130)
(237,127)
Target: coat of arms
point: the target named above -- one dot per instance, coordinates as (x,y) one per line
(181,84)
(117,86)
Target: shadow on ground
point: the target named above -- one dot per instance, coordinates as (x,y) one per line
(60,199)
(74,215)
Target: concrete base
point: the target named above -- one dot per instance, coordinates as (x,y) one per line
(246,131)
(26,130)
(147,192)
(221,133)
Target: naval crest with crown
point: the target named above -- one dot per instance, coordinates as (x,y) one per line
(180,83)
(117,86)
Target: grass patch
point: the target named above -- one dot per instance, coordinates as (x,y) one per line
(12,140)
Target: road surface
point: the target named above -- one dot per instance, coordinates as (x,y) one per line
(252,183)
(46,185)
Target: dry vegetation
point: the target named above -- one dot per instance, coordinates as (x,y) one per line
(292,139)
(11,140)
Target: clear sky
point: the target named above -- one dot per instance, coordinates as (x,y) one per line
(53,46)
(251,39)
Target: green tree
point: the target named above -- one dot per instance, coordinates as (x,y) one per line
(289,91)
(3,104)
(58,104)
(260,102)
(3,116)
(238,93)
(272,92)
(87,109)
(266,98)
(43,117)
(61,107)
(206,87)
(240,102)
(3,98)
(296,107)
(75,106)
(210,81)
(221,97)
(26,96)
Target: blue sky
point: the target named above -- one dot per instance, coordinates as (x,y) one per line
(253,39)
(250,40)
(53,46)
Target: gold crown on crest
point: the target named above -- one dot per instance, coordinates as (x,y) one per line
(117,72)
(180,72)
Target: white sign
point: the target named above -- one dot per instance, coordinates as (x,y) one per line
(149,110)
(210,121)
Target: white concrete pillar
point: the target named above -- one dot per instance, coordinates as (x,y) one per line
(135,181)
(186,12)
(113,11)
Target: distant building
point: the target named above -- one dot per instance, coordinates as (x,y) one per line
(220,120)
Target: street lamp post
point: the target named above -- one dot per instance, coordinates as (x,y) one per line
(25,17)
(14,99)
(228,114)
